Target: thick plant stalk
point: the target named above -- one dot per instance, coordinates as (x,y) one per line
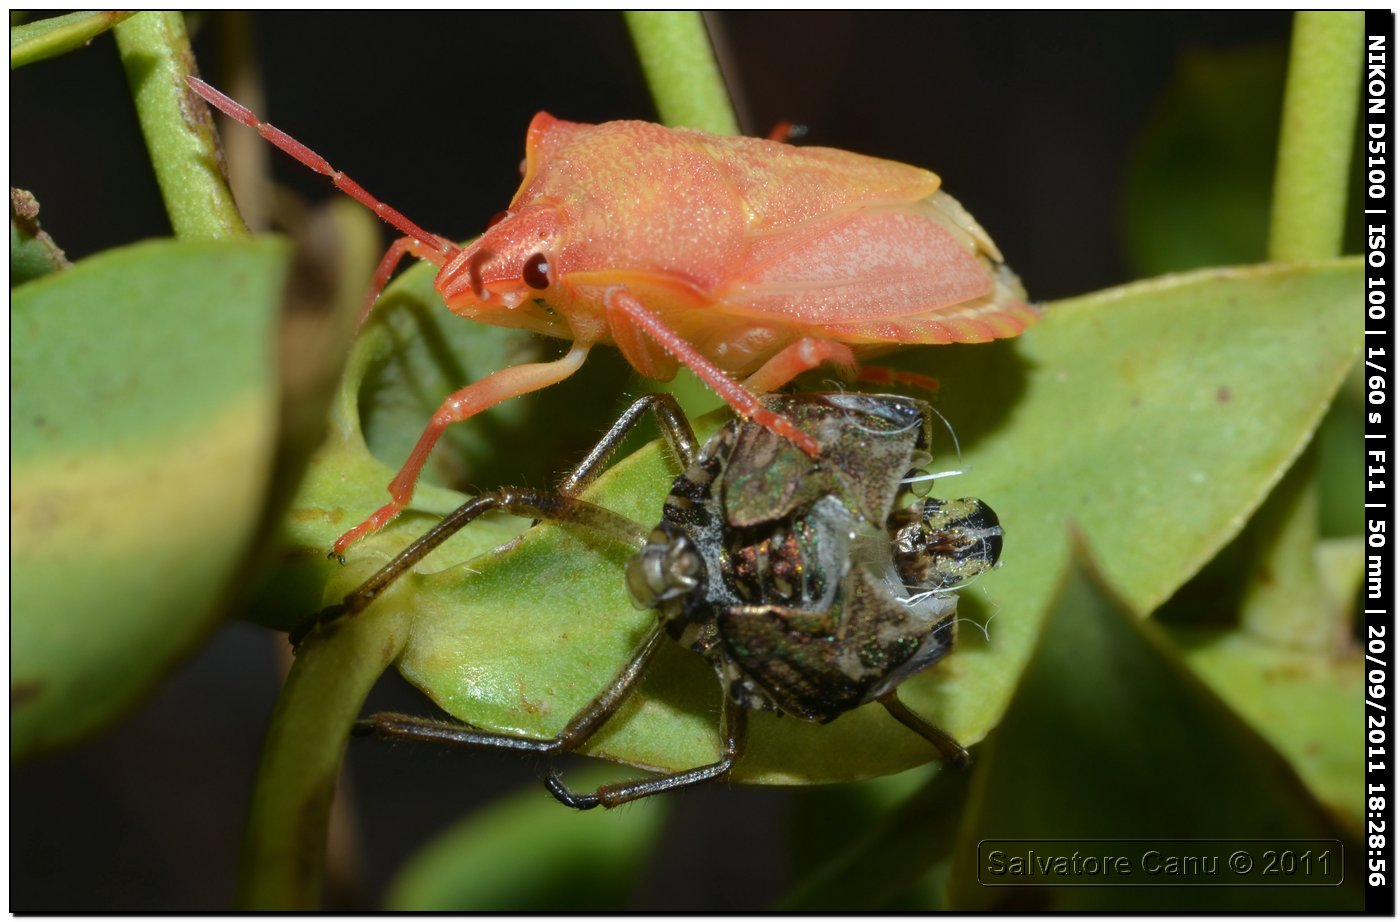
(1317,135)
(680,68)
(284,848)
(1284,601)
(178,128)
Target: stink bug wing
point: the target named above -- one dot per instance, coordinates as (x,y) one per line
(783,187)
(860,265)
(913,273)
(864,249)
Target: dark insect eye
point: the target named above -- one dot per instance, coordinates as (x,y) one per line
(536,272)
(497,218)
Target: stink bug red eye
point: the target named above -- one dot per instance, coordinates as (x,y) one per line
(497,218)
(536,272)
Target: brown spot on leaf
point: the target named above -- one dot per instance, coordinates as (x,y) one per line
(21,693)
(1223,394)
(315,514)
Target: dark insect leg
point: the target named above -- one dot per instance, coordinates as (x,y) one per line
(950,749)
(583,725)
(734,728)
(674,427)
(535,504)
(559,508)
(669,418)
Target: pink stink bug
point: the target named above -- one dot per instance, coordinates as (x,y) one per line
(731,255)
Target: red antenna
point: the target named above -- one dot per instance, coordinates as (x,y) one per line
(318,163)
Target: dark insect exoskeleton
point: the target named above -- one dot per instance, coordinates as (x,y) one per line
(811,584)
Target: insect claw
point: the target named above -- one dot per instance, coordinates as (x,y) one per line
(568,798)
(297,634)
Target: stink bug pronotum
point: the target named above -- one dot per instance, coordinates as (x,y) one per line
(809,584)
(734,256)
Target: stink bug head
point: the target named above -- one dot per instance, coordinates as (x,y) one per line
(511,264)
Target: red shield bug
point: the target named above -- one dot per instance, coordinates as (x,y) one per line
(808,584)
(734,256)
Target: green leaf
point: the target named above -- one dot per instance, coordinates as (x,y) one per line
(57,35)
(1157,416)
(873,866)
(1306,703)
(1284,599)
(525,853)
(1296,675)
(1111,737)
(143,393)
(1342,469)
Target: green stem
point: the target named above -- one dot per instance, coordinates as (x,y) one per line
(285,845)
(179,131)
(680,68)
(1317,135)
(32,252)
(679,64)
(47,38)
(1283,599)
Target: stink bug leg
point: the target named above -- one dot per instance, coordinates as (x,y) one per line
(879,374)
(803,355)
(470,400)
(623,308)
(404,246)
